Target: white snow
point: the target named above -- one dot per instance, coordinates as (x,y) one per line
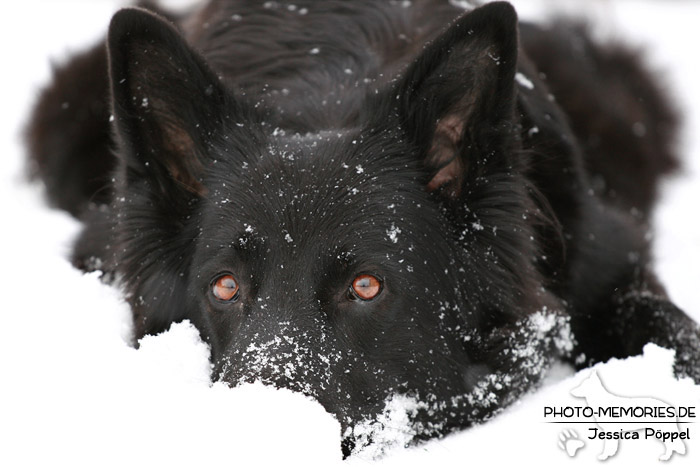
(524,81)
(73,391)
(390,431)
(393,233)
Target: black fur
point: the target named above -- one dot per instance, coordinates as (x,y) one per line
(297,148)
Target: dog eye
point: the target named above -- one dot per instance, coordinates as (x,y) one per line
(365,287)
(225,288)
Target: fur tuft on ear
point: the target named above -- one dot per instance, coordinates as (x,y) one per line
(166,101)
(460,85)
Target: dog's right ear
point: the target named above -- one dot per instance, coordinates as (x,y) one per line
(167,103)
(456,101)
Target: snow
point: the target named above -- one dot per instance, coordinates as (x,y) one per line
(390,431)
(75,391)
(393,233)
(524,81)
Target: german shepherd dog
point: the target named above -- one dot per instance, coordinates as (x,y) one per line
(369,200)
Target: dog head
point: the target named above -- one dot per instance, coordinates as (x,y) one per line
(389,256)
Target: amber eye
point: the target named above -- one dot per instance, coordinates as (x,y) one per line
(366,287)
(225,288)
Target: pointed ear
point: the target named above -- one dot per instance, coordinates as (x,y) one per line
(457,99)
(166,101)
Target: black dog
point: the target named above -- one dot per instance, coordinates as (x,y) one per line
(368,199)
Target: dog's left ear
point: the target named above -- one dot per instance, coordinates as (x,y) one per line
(457,100)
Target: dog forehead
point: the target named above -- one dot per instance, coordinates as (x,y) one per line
(330,187)
(316,202)
(315,173)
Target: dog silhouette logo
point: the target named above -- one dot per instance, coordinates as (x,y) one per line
(618,417)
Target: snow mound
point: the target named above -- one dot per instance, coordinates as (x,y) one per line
(156,406)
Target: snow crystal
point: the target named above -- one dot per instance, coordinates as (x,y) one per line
(524,81)
(393,233)
(483,394)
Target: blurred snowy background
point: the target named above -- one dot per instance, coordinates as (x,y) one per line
(73,392)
